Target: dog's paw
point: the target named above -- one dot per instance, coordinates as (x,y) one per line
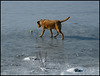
(40,35)
(51,36)
(62,38)
(54,36)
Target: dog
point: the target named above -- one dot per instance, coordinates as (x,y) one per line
(51,24)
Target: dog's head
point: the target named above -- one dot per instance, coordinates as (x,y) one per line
(39,25)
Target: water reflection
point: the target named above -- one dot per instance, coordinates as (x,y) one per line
(54,48)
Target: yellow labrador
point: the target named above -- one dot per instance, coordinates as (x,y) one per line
(51,24)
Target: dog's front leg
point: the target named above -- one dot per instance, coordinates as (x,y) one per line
(56,34)
(51,33)
(42,32)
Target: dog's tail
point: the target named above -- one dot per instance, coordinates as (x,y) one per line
(65,19)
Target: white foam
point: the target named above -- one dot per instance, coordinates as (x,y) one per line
(32,58)
(27,58)
(70,70)
(85,71)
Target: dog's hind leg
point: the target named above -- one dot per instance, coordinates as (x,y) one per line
(61,34)
(57,29)
(51,33)
(56,34)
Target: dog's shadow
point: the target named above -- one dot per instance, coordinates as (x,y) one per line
(80,38)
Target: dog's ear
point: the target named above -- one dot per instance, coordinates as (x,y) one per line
(38,22)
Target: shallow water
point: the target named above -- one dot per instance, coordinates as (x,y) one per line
(25,53)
